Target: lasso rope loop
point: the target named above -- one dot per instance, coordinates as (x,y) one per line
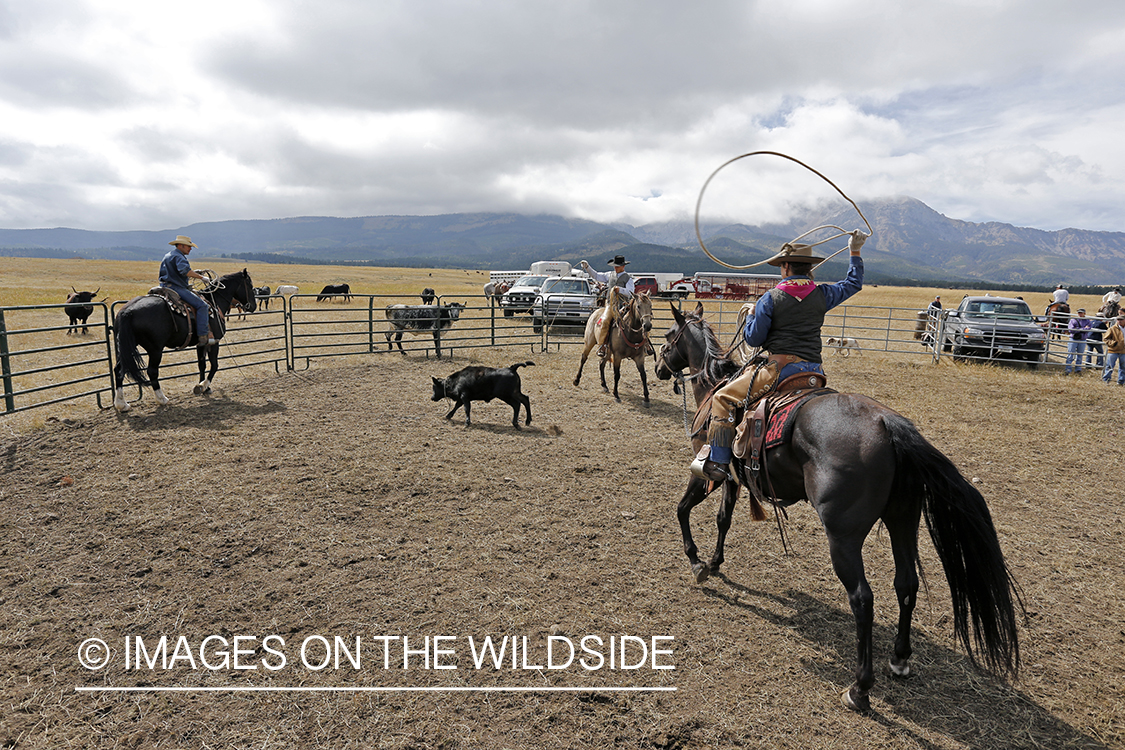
(842,232)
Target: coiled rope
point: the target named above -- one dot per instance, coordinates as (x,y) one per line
(842,232)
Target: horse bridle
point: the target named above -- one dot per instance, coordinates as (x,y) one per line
(639,328)
(662,354)
(218,284)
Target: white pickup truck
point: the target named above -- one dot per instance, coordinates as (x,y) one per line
(564,300)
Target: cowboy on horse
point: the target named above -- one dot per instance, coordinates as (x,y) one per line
(786,323)
(1111,303)
(174,274)
(621,288)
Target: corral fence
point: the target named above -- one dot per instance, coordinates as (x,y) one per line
(44,361)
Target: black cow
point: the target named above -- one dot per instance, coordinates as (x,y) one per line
(262,293)
(333,290)
(418,319)
(484,384)
(78,309)
(429,296)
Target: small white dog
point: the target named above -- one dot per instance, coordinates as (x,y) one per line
(844,346)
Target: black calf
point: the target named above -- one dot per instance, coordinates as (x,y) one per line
(484,384)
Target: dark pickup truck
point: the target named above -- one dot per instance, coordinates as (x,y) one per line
(993,328)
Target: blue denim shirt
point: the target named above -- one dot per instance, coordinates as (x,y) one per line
(173,270)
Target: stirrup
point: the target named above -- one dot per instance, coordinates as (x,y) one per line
(603,350)
(716,472)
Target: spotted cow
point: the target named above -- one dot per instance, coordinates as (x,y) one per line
(419,320)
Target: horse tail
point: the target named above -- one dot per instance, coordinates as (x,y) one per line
(518,365)
(127,354)
(981,587)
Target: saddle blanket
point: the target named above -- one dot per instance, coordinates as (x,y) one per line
(779,429)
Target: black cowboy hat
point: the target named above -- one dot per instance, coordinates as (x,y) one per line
(618,260)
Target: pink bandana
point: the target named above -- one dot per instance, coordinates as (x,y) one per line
(797,287)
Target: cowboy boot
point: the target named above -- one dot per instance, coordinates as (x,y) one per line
(713,461)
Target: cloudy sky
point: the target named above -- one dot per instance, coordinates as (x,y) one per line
(117,114)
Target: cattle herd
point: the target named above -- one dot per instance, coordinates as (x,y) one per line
(428,318)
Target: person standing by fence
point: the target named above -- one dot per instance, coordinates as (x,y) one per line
(1115,350)
(1094,343)
(1079,329)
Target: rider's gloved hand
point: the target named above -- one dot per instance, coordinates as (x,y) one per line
(856,240)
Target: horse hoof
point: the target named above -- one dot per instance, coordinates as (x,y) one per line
(122,407)
(701,572)
(900,668)
(856,701)
(198,390)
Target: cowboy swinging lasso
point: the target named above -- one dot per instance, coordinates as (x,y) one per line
(854,460)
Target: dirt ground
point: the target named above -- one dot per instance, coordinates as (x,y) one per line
(337,503)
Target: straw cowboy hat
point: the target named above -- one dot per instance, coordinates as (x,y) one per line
(617,260)
(797,253)
(182,240)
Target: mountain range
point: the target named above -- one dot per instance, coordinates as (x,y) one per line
(911,244)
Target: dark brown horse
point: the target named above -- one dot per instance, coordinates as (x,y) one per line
(628,339)
(857,462)
(1058,318)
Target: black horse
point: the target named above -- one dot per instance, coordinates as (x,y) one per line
(148,322)
(858,462)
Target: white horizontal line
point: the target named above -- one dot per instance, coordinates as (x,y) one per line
(284,689)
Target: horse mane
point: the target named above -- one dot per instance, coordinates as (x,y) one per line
(717,366)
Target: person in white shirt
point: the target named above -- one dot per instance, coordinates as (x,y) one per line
(1061,294)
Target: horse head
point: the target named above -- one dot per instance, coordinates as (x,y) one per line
(674,355)
(242,289)
(642,310)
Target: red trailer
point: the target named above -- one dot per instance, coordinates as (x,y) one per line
(733,285)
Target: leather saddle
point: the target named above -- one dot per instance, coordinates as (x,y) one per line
(179,308)
(769,422)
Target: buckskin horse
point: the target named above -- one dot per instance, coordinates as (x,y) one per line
(628,339)
(148,322)
(857,462)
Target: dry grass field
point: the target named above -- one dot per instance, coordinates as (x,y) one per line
(336,502)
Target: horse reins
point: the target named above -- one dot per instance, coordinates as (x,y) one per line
(681,379)
(639,328)
(214,287)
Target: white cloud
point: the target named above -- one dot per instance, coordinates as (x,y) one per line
(129,115)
